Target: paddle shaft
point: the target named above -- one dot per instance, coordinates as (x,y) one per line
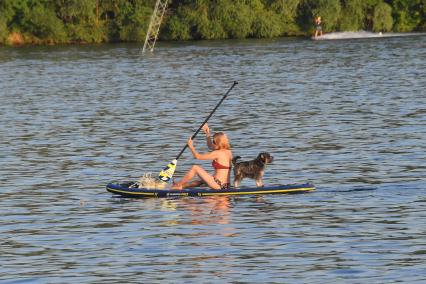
(208,117)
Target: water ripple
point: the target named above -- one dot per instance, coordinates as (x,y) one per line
(346,115)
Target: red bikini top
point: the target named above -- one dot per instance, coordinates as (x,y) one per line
(218,166)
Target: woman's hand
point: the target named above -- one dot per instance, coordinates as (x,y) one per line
(192,148)
(206,129)
(190,143)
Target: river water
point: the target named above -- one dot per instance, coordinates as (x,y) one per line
(346,115)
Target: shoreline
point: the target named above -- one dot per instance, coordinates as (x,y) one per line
(17,40)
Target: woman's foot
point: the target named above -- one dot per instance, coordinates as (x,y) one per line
(177,185)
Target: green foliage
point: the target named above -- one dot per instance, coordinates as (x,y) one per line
(353,12)
(235,18)
(176,29)
(287,13)
(408,14)
(382,19)
(43,23)
(206,25)
(422,25)
(134,23)
(202,21)
(182,24)
(266,23)
(16,13)
(82,20)
(64,21)
(4,32)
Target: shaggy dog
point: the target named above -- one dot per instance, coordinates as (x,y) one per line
(253,169)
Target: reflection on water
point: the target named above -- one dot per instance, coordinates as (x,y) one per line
(208,210)
(211,210)
(348,116)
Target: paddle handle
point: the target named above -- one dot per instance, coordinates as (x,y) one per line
(207,118)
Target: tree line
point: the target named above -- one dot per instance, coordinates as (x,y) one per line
(95,21)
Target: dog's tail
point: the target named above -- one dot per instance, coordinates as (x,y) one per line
(234,160)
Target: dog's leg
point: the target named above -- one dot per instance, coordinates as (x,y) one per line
(259,178)
(237,182)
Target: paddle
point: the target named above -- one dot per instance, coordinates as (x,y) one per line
(167,173)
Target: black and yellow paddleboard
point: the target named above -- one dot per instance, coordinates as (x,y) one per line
(127,190)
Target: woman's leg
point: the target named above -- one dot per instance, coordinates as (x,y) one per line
(196,183)
(199,171)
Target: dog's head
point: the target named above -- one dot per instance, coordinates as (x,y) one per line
(265,157)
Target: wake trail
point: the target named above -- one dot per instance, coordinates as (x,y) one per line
(363,34)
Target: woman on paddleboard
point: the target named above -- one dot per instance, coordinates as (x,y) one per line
(221,157)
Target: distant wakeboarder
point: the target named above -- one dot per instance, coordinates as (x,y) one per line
(318,27)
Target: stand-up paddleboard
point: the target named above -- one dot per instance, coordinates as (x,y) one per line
(130,190)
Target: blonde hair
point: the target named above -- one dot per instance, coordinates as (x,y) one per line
(220,140)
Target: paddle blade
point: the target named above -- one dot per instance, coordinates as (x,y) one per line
(167,173)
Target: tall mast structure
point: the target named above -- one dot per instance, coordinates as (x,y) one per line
(154,25)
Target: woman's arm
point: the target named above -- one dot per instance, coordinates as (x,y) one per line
(199,156)
(206,130)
